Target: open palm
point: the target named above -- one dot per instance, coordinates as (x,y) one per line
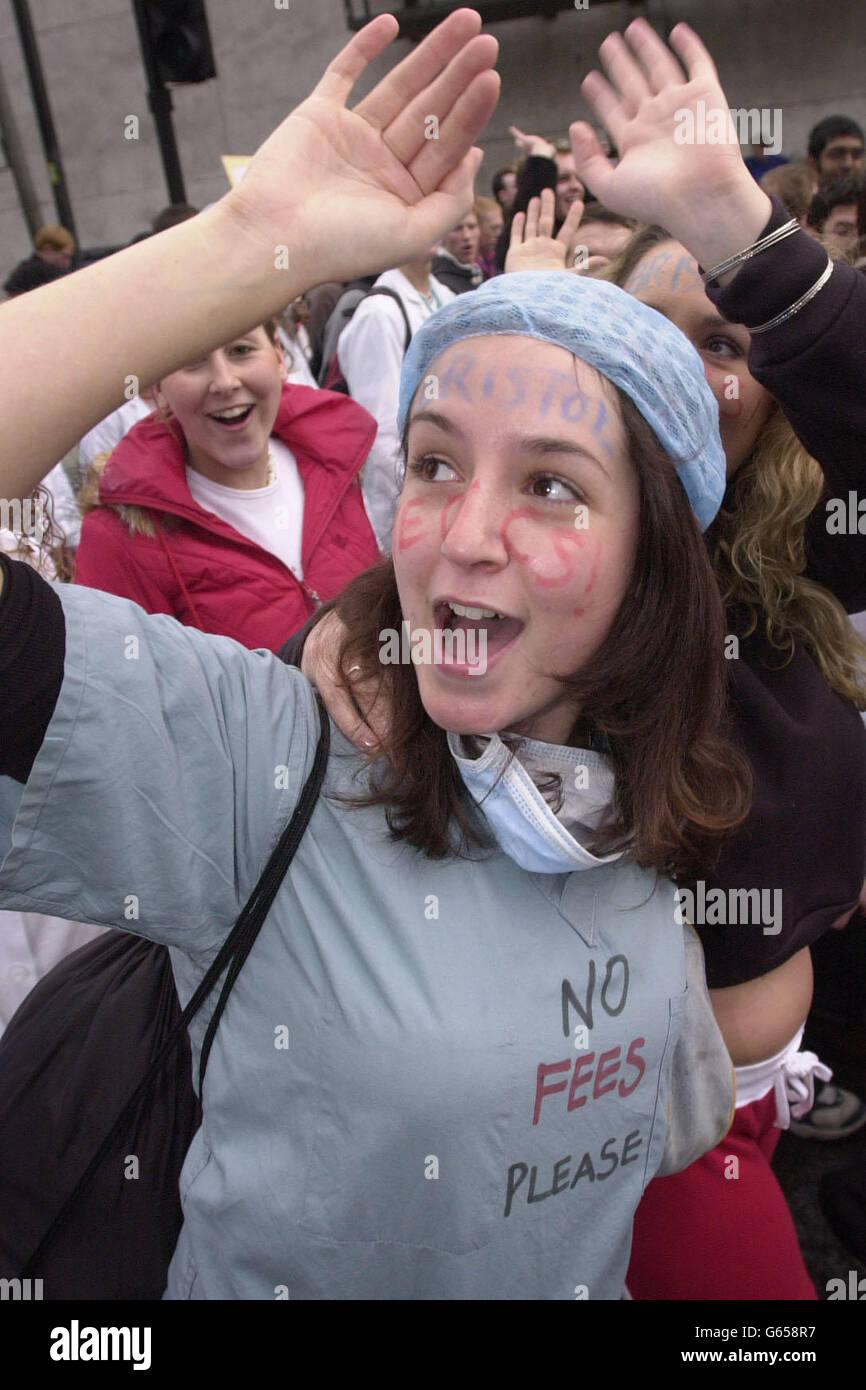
(643,103)
(349,192)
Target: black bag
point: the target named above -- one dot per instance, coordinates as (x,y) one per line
(107,1022)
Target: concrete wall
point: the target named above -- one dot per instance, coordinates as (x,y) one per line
(805,58)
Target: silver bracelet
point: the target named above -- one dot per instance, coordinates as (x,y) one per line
(763,245)
(798,304)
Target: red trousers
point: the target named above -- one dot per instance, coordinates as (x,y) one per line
(721,1229)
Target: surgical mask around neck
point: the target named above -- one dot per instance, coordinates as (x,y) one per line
(521,821)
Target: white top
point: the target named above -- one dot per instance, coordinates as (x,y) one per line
(297,353)
(108,433)
(272,516)
(371,356)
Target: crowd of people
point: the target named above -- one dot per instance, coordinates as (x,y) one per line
(558,915)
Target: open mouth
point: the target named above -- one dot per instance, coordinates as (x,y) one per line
(499,629)
(233,418)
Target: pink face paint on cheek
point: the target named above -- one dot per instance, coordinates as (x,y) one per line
(593,569)
(553,571)
(512,522)
(556,564)
(749,415)
(411,528)
(593,575)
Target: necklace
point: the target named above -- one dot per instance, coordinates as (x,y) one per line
(432,299)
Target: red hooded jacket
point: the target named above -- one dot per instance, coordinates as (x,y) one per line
(203,571)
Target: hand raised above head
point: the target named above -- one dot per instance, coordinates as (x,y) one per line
(531,144)
(668,171)
(533,245)
(352,191)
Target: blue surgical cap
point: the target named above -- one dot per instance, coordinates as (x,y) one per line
(632,345)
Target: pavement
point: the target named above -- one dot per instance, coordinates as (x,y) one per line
(799,1164)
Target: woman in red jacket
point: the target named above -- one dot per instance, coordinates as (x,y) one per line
(237,477)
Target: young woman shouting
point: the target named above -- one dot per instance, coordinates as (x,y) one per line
(447,1068)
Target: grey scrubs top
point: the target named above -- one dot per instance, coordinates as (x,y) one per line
(433,1080)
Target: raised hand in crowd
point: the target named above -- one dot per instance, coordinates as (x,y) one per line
(533,245)
(263,244)
(702,193)
(531,144)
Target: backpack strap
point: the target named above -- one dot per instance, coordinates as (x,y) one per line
(233,953)
(392,294)
(246,928)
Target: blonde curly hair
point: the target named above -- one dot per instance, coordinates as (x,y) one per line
(760,558)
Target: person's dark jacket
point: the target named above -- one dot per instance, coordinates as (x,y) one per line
(30,274)
(454,275)
(536,173)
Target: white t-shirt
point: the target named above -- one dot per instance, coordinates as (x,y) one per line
(271,516)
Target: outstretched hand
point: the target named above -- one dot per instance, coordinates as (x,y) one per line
(667,173)
(350,192)
(533,245)
(531,144)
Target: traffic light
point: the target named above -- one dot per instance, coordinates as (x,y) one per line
(176,32)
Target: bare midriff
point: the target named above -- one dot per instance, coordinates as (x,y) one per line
(759,1017)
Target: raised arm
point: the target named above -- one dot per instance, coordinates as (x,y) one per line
(650,102)
(537,172)
(146,311)
(701,192)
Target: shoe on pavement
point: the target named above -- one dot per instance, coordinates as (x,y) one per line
(835,1114)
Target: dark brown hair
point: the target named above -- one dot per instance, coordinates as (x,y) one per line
(655,687)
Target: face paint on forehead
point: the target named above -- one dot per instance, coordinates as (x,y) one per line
(554,394)
(664,270)
(686,276)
